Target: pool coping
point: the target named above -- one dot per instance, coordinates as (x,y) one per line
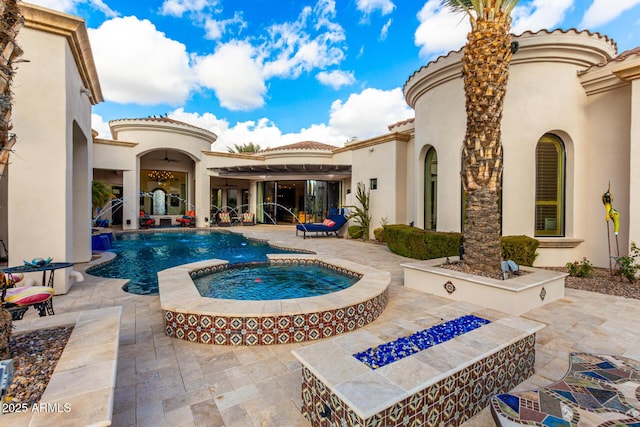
(192,317)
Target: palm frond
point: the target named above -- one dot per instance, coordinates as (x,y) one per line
(482,9)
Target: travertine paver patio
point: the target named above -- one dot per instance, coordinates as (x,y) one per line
(165,381)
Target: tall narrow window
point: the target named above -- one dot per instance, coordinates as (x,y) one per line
(550,191)
(430,189)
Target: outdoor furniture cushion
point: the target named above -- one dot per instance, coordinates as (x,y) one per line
(337,216)
(28,295)
(328,222)
(224,218)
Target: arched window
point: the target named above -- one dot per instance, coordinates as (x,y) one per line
(430,189)
(550,186)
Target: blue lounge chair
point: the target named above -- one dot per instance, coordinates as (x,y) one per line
(334,222)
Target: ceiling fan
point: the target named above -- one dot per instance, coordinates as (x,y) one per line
(167,159)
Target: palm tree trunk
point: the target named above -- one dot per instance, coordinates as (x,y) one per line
(10,24)
(485,69)
(5,333)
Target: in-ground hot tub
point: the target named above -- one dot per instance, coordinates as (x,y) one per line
(192,317)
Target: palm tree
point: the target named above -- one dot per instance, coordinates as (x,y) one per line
(100,194)
(247,147)
(485,62)
(10,24)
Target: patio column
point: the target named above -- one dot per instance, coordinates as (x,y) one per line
(202,194)
(131,197)
(631,73)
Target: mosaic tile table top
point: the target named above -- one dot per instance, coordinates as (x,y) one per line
(598,390)
(192,317)
(368,392)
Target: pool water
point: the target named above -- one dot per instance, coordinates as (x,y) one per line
(139,256)
(266,281)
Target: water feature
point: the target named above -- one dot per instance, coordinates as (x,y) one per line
(139,256)
(265,281)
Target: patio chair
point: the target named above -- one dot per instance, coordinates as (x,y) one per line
(188,219)
(224,219)
(331,225)
(145,220)
(17,300)
(247,218)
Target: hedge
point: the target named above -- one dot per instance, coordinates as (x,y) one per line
(520,249)
(355,231)
(417,243)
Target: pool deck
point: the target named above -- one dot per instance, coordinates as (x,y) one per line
(163,381)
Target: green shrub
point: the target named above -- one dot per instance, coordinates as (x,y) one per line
(360,213)
(627,264)
(355,231)
(417,243)
(519,249)
(580,268)
(378,233)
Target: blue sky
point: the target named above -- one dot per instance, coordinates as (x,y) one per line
(276,72)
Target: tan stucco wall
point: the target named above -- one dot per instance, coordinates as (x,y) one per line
(141,144)
(544,95)
(49,193)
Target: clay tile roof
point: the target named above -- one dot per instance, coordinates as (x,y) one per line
(163,119)
(543,31)
(402,122)
(304,145)
(627,53)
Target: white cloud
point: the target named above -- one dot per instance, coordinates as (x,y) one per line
(440,29)
(603,11)
(99,125)
(207,121)
(385,29)
(102,7)
(336,79)
(216,28)
(369,113)
(266,134)
(70,6)
(262,132)
(151,70)
(235,75)
(539,15)
(369,6)
(292,48)
(178,8)
(364,115)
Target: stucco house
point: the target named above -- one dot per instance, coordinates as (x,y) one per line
(571,128)
(45,195)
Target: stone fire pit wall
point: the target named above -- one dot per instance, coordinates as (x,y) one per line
(443,385)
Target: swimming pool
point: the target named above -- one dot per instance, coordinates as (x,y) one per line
(266,281)
(190,316)
(140,255)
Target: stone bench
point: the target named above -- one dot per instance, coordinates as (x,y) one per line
(598,390)
(82,387)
